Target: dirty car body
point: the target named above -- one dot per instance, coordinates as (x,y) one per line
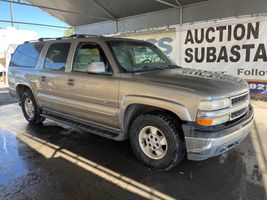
(106,85)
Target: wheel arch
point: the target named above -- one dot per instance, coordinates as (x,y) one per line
(22,87)
(135,106)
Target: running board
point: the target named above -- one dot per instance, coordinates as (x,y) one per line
(110,134)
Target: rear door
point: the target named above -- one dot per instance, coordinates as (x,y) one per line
(92,97)
(52,77)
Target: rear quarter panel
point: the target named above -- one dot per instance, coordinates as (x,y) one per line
(23,76)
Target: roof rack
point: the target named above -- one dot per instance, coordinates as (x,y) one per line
(60,38)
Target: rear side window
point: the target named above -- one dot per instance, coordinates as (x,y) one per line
(56,57)
(26,55)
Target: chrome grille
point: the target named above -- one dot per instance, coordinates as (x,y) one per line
(238,113)
(239,99)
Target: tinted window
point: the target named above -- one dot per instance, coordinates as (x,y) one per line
(26,55)
(57,55)
(87,53)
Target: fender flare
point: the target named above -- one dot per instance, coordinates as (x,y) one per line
(174,107)
(31,87)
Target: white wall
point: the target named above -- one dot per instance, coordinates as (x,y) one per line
(13,36)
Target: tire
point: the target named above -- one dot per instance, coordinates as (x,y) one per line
(32,111)
(173,152)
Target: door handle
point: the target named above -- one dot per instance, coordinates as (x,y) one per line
(70,82)
(43,78)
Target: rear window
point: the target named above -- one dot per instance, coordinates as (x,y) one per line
(26,55)
(57,55)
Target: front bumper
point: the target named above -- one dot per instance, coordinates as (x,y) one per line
(205,143)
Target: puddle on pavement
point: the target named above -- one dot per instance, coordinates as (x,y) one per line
(11,164)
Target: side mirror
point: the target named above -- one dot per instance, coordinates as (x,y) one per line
(96,68)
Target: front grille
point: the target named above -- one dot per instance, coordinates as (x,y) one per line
(238,113)
(239,99)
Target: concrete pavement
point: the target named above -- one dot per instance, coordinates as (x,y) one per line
(51,161)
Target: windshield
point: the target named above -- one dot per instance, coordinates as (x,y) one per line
(135,56)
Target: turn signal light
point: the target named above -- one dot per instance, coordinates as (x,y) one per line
(212,122)
(204,122)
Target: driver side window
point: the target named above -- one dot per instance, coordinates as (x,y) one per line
(85,54)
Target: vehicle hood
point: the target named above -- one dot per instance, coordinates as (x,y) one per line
(214,84)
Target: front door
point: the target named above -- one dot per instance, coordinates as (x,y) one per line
(92,97)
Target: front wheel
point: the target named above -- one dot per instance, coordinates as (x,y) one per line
(30,109)
(157,141)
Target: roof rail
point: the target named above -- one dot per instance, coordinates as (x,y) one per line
(85,35)
(67,37)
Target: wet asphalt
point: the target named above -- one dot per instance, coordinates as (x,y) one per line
(53,161)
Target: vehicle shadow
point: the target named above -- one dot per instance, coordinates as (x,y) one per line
(223,177)
(5,97)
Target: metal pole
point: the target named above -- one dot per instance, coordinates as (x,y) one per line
(166,3)
(11,14)
(117,26)
(180,6)
(180,29)
(181,15)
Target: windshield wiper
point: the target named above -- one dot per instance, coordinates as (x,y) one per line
(147,68)
(173,66)
(153,68)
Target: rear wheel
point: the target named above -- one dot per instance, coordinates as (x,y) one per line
(30,109)
(157,140)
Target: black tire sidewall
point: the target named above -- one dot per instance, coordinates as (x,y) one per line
(29,95)
(175,144)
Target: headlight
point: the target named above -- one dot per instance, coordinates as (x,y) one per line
(214,104)
(207,112)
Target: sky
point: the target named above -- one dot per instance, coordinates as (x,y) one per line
(31,14)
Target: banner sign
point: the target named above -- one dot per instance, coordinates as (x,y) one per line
(234,46)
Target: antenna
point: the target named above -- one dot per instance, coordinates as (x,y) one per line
(11,13)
